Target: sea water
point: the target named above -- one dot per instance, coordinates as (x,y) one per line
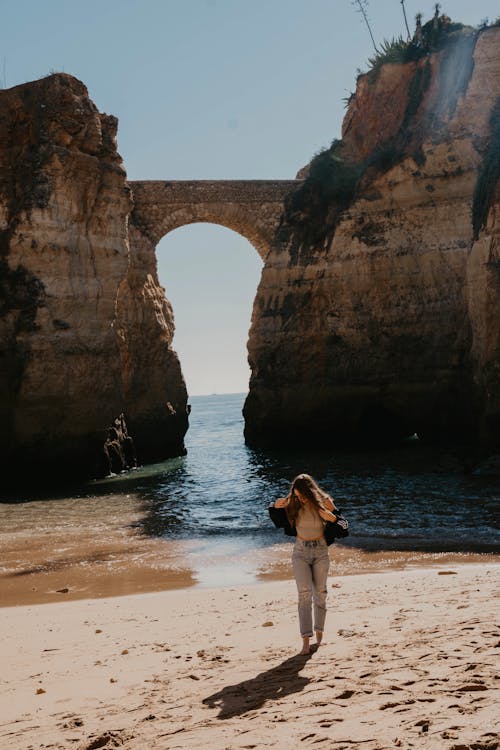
(411,500)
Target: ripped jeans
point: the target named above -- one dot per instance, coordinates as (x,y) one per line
(310,563)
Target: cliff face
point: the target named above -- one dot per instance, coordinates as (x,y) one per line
(378,315)
(152,381)
(78,303)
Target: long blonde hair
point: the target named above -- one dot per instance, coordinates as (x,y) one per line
(309,489)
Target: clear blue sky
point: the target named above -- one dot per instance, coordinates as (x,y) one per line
(211,89)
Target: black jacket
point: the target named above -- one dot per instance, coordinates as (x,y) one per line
(333,529)
(280,520)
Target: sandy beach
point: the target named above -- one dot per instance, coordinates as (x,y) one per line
(410,660)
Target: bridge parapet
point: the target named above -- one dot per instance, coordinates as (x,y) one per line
(253,208)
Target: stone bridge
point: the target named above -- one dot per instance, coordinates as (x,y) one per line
(250,207)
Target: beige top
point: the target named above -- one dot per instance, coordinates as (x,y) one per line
(309,523)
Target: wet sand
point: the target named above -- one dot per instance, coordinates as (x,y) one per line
(410,660)
(80,563)
(96,546)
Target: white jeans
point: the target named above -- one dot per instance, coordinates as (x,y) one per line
(310,563)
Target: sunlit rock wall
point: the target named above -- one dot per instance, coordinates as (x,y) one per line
(380,318)
(77,310)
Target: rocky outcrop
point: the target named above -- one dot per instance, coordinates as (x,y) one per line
(85,332)
(152,382)
(378,312)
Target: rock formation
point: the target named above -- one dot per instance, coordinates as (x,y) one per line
(378,312)
(85,331)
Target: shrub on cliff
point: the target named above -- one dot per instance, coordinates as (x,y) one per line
(332,179)
(328,190)
(396,50)
(431,37)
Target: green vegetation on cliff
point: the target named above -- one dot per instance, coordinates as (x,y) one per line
(431,37)
(315,207)
(335,175)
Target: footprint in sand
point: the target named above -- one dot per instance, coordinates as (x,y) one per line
(408,702)
(108,739)
(423,724)
(73,723)
(346,694)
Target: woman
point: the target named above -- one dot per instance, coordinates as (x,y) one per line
(308,507)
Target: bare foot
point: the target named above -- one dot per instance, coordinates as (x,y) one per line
(319,637)
(305,645)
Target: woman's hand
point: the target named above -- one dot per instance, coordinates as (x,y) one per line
(282,502)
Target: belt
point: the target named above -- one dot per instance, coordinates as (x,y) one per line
(312,542)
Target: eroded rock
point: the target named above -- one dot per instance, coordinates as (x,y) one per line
(378,317)
(85,334)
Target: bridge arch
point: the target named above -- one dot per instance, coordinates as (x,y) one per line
(230,216)
(252,208)
(210,275)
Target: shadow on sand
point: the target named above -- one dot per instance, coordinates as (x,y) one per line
(272,684)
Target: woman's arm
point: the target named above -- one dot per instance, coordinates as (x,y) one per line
(327,516)
(329,504)
(282,502)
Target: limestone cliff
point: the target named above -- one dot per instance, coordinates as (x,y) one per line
(85,332)
(378,312)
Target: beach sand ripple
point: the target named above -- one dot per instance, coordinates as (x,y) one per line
(410,659)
